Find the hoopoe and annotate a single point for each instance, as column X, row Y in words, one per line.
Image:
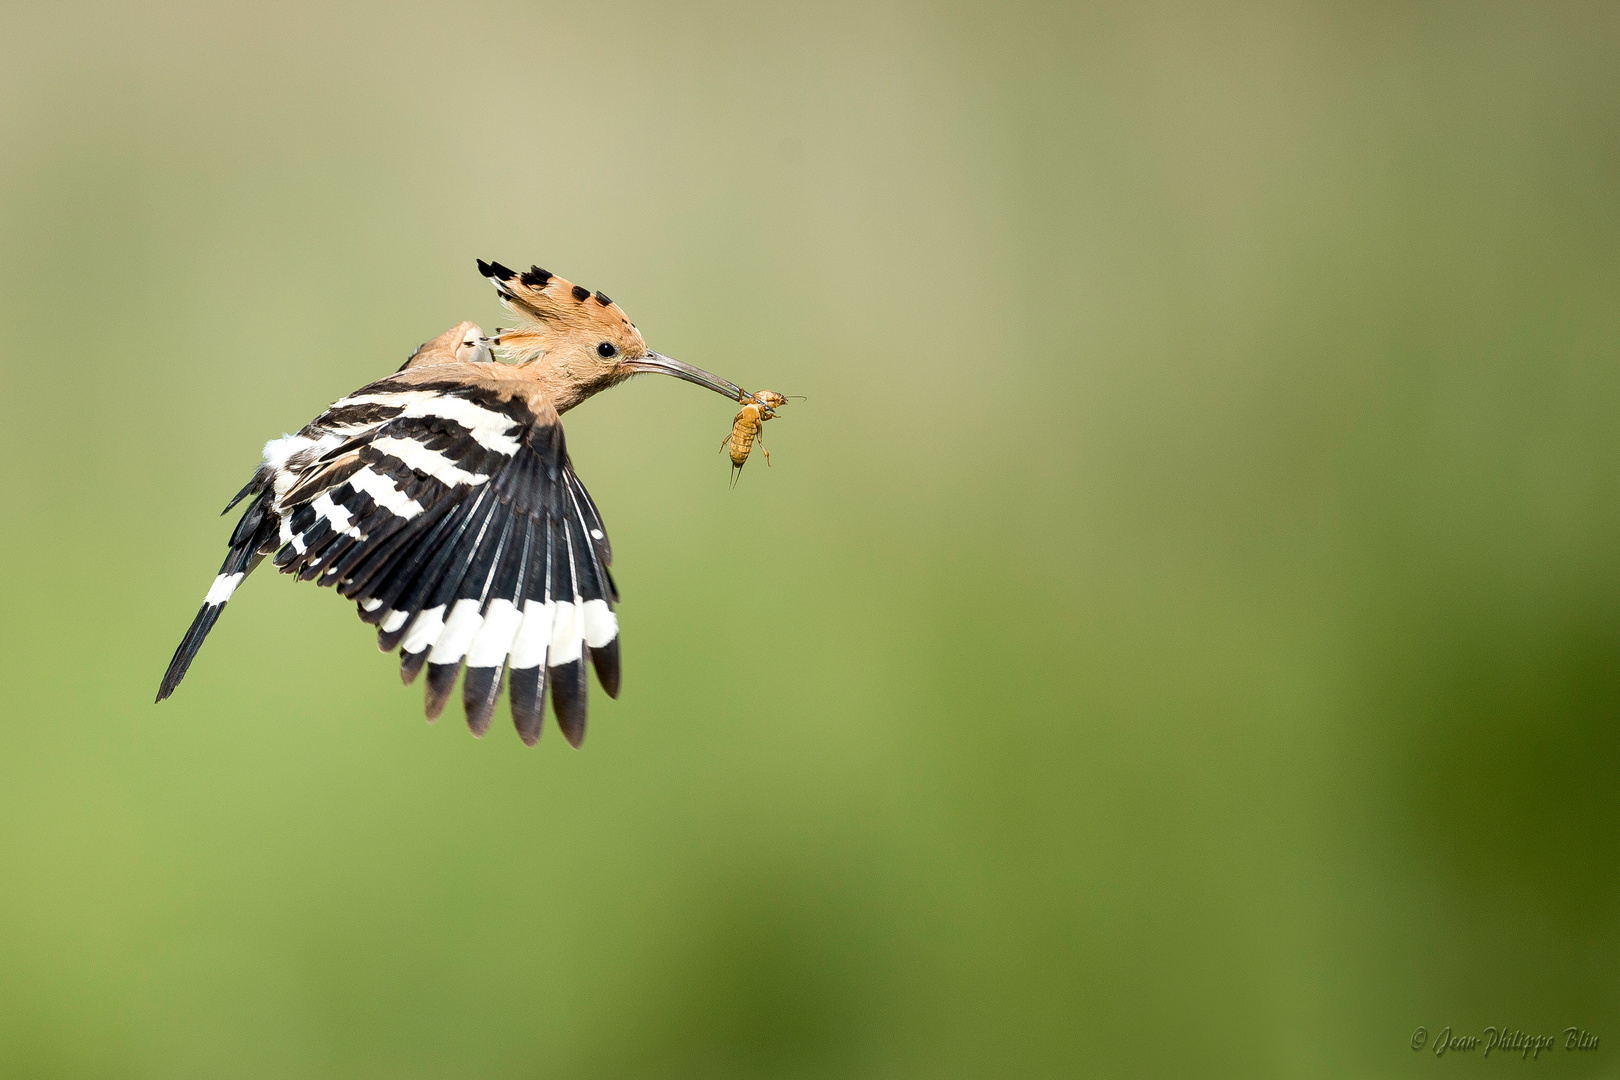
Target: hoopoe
column 442, row 500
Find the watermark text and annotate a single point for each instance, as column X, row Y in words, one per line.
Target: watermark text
column 1502, row 1041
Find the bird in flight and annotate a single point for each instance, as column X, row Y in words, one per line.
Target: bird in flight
column 442, row 501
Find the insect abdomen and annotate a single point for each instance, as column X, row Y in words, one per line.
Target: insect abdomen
column 742, row 444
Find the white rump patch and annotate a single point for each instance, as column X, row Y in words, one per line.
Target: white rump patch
column 601, row 625
column 220, row 591
column 290, row 455
column 567, row 635
column 425, row 630
column 423, row 460
column 385, row 493
column 494, row 639
column 534, row 634
column 459, row 630
column 277, row 451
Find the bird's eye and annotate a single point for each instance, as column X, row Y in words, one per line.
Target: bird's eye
column 606, row 350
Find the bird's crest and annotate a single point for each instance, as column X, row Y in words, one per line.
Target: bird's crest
column 556, row 310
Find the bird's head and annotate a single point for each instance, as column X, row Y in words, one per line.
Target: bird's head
column 582, row 341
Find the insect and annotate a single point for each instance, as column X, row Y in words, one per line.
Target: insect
column 442, row 501
column 747, row 427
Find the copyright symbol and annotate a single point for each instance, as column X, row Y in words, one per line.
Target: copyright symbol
column 1419, row 1037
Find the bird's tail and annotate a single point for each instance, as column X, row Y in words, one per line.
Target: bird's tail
column 254, row 532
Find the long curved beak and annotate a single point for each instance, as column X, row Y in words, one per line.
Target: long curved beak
column 668, row 365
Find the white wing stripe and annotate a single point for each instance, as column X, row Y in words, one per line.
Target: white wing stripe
column 385, row 493
column 459, row 630
column 424, row 631
column 423, row 460
column 403, row 398
column 601, row 625
column 567, row 635
column 338, row 515
column 489, row 429
column 495, row 637
column 529, row 647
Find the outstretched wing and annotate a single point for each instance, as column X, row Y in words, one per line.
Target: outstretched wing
column 448, row 509
column 290, row 460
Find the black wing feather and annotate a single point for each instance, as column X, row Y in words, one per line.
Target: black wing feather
column 454, row 519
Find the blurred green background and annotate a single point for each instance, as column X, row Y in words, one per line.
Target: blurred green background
column 1178, row 636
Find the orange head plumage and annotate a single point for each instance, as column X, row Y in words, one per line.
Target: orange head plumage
column 579, row 342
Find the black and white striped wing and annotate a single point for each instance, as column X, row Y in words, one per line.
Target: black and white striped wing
column 458, row 525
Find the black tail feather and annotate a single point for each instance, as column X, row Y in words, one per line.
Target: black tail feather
column 204, row 622
column 261, row 479
column 253, row 533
